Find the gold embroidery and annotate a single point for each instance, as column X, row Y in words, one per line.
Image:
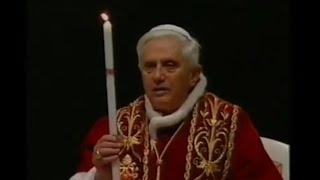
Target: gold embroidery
column 211, row 136
column 130, row 128
column 131, row 125
column 209, row 167
column 128, row 168
column 190, row 144
column 233, row 128
column 146, row 153
column 207, row 139
column 210, row 140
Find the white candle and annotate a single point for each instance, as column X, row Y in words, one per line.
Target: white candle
column 111, row 95
column 107, row 35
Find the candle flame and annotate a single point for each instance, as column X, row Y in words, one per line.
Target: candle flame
column 104, row 16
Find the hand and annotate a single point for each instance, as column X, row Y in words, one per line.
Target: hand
column 105, row 151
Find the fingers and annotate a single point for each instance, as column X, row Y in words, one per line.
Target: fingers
column 110, row 138
column 108, row 141
column 108, row 160
column 104, row 156
column 104, row 162
column 104, row 144
column 106, row 150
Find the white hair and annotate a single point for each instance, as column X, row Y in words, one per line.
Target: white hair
column 190, row 51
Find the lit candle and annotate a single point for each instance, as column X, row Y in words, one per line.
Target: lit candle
column 108, row 50
column 107, row 35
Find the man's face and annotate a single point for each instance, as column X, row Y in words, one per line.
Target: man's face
column 167, row 76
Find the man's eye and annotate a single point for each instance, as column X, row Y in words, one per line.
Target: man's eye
column 170, row 65
column 148, row 67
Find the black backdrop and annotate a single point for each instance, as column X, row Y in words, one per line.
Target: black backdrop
column 245, row 55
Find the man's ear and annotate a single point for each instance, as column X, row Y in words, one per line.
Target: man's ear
column 195, row 75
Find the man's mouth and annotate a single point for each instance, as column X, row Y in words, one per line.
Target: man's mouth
column 160, row 91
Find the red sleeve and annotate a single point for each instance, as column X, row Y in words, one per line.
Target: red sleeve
column 98, row 130
column 250, row 160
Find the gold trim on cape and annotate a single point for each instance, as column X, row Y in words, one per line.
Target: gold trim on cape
column 211, row 139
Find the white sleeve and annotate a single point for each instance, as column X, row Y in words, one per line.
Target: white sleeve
column 84, row 175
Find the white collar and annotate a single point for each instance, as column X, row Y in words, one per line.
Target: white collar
column 158, row 121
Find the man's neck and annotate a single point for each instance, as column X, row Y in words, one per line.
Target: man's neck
column 158, row 121
column 166, row 132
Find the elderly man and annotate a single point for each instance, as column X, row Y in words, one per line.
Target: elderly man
column 176, row 130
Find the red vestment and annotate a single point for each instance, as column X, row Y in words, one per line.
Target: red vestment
column 217, row 141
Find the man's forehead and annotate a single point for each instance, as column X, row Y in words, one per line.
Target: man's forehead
column 161, row 59
column 162, row 49
column 163, row 43
column 162, row 55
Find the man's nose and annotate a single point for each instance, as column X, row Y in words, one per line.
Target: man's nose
column 158, row 74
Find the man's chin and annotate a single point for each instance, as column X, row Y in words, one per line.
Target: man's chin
column 158, row 100
column 163, row 107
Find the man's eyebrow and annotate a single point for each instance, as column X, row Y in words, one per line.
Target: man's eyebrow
column 149, row 62
column 168, row 59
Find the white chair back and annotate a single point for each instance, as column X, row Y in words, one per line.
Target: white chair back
column 279, row 152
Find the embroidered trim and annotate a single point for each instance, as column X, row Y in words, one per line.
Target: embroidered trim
column 130, row 115
column 234, row 120
column 211, row 155
column 128, row 168
column 212, row 140
column 190, row 144
column 207, row 139
column 146, row 153
column 131, row 125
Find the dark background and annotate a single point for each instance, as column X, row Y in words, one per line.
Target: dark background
column 245, row 55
